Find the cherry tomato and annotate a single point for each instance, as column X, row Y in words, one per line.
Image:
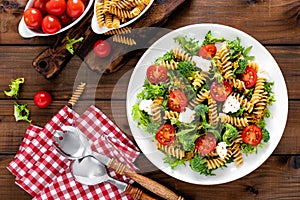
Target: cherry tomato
column 42, row 99
column 40, row 5
column 207, row 51
column 102, row 48
column 56, row 7
column 206, row 143
column 75, row 8
column 165, row 134
column 177, row 101
column 33, row 18
column 252, row 134
column 228, row 88
column 51, row 24
column 249, row 77
column 156, row 74
column 218, row 91
column 65, row 19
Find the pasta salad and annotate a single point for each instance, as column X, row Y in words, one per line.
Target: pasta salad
column 205, row 103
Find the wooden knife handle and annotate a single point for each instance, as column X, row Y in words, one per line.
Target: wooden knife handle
column 137, row 193
column 147, row 183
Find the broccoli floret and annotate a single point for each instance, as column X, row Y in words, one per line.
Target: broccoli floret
column 14, row 88
column 230, row 133
column 201, row 111
column 209, row 39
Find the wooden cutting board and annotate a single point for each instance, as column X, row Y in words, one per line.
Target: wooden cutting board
column 145, row 31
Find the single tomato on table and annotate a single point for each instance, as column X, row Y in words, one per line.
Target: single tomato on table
column 33, row 18
column 156, row 74
column 102, row 48
column 42, row 99
column 252, row 134
column 249, row 77
column 207, row 51
column 165, row 134
column 218, row 91
column 75, row 8
column 206, row 143
column 177, row 101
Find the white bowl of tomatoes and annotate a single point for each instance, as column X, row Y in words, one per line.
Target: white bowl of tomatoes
column 50, row 17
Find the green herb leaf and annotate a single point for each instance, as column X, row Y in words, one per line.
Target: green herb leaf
column 14, row 88
column 69, row 46
column 21, row 112
column 190, row 45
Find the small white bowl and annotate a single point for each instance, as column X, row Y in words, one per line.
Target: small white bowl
column 98, row 30
column 26, row 32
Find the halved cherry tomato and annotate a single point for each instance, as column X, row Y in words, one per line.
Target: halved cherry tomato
column 33, row 18
column 102, row 48
column 156, row 74
column 51, row 24
column 165, row 134
column 228, row 87
column 207, row 51
column 205, row 143
column 177, row 101
column 42, row 99
column 75, row 8
column 249, row 77
column 252, row 134
column 56, row 7
column 218, row 91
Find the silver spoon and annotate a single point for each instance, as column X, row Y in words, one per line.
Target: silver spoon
column 74, row 144
column 90, row 171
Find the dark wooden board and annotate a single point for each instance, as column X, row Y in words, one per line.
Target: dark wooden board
column 53, row 59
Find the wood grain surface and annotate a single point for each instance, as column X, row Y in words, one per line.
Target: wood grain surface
column 274, row 23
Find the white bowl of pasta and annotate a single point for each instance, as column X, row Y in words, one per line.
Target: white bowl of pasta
column 117, row 15
column 187, row 127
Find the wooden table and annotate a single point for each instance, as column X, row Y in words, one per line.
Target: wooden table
column 276, row 24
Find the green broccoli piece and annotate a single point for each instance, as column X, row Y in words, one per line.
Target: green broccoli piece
column 209, row 39
column 14, row 88
column 230, row 133
column 201, row 111
column 21, row 112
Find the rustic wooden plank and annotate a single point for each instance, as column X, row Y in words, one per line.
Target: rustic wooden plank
column 274, row 21
column 275, row 179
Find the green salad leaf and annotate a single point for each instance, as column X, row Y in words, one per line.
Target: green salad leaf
column 21, row 112
column 14, row 88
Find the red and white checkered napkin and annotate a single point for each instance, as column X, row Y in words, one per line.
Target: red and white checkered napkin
column 45, row 174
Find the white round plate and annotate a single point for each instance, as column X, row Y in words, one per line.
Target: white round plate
column 275, row 125
column 98, row 30
column 25, row 32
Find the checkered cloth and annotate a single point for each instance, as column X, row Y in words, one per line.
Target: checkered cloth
column 42, row 172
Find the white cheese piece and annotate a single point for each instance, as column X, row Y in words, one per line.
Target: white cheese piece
column 221, row 149
column 187, row 116
column 145, row 105
column 220, row 44
column 231, row 104
column 263, row 73
column 202, row 63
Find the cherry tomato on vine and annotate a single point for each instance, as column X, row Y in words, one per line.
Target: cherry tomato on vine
column 156, row 74
column 165, row 134
column 177, row 101
column 51, row 24
column 218, row 91
column 56, row 7
column 249, row 77
column 205, row 143
column 252, row 134
column 102, row 48
column 42, row 99
column 33, row 18
column 207, row 51
column 75, row 8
